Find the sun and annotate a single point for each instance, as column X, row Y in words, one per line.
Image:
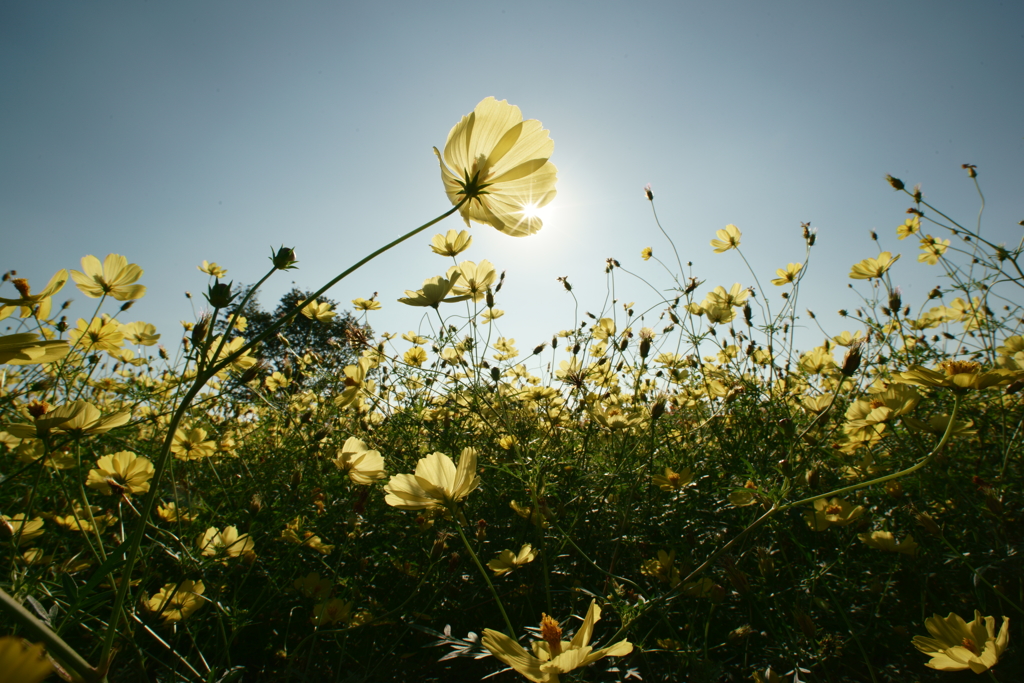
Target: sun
column 530, row 211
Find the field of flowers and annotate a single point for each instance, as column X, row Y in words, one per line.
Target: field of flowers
column 668, row 490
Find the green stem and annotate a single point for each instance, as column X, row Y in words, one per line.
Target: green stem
column 777, row 509
column 54, row 643
column 490, row 586
column 163, row 460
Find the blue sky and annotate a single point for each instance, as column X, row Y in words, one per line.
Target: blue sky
column 177, row 132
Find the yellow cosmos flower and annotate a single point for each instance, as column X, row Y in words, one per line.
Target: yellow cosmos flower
column 27, row 299
column 472, row 280
column 552, row 656
column 788, row 274
column 414, row 338
column 23, row 662
column 172, row 513
column 363, row 465
column 362, row 304
column 113, row 278
column 451, row 244
column 663, row 568
column 140, row 334
column 312, row 586
column 321, row 311
column 911, row 226
column 499, row 164
column 122, row 472
column 873, row 267
column 192, row 444
column 673, row 481
column 957, row 375
column 176, row 601
column 832, row 512
column 729, row 238
column 437, row 483
column 77, row 418
column 435, row 291
column 415, row 356
column 332, row 611
column 212, row 269
column 646, row 253
column 25, row 531
column 932, row 249
column 226, row 544
column 99, row 334
column 25, row 349
column 885, row 540
column 736, row 296
column 507, row 560
column 957, row 645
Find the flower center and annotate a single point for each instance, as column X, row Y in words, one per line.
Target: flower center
column 969, row 644
column 833, row 510
column 21, row 284
column 960, row 367
column 551, row 633
column 673, row 480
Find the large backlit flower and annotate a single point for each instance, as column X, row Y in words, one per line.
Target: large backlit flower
column 25, row 349
column 552, row 656
column 113, row 278
column 958, row 375
column 499, row 164
column 958, row 645
column 437, row 482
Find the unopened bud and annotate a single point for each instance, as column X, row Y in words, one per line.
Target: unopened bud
column 851, row 361
column 284, row 259
column 200, row 330
column 896, row 183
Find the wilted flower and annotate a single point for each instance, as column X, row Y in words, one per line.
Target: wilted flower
column 499, row 164
column 436, row 484
column 552, row 656
column 957, row 645
column 114, row 278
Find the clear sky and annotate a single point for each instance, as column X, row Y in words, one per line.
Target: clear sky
column 173, row 132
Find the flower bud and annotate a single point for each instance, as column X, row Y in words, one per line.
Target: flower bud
column 851, row 361
column 896, row 183
column 219, row 295
column 284, row 259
